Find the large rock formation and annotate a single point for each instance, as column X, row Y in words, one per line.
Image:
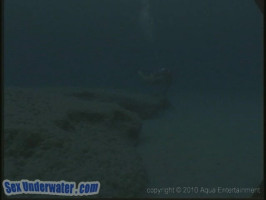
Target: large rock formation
column 76, row 135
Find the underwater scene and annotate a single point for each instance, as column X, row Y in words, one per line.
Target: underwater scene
column 133, row 98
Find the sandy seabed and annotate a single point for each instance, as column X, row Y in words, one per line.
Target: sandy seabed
column 206, row 141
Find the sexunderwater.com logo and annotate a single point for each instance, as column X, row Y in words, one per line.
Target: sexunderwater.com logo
column 60, row 188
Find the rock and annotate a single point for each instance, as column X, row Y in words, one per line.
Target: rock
column 76, row 135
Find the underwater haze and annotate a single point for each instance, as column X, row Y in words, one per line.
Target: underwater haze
column 209, row 45
column 212, row 134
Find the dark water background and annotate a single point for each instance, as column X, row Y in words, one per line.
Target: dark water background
column 209, row 45
column 214, row 48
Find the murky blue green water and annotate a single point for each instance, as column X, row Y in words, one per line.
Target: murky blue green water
column 212, row 135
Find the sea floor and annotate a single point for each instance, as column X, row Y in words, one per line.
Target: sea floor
column 203, row 142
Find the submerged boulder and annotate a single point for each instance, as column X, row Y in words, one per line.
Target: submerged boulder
column 76, row 135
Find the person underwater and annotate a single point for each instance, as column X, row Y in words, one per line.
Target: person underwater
column 162, row 78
